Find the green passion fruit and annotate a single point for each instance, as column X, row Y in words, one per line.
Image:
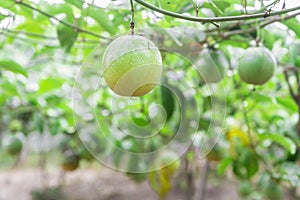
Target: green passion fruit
column 14, row 146
column 211, row 66
column 132, row 65
column 256, row 66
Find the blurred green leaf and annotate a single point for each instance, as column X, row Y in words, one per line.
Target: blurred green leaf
column 67, row 35
column 223, row 165
column 293, row 24
column 76, row 3
column 246, row 164
column 50, row 84
column 101, row 18
column 13, row 67
column 288, row 103
column 167, row 100
column 54, row 9
column 140, row 121
column 286, row 142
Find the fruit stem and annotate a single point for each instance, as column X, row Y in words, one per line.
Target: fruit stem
column 132, row 18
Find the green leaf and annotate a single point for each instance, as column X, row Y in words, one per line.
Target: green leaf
column 246, row 165
column 268, row 39
column 13, row 67
column 30, row 26
column 54, row 9
column 76, row 3
column 140, row 121
column 50, row 84
column 286, row 142
column 101, row 18
column 260, row 97
column 223, row 165
column 288, row 103
column 6, row 3
column 293, row 24
column 66, row 35
column 167, row 101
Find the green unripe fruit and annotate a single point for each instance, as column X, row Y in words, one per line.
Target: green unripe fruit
column 211, row 65
column 245, row 189
column 295, row 53
column 256, row 66
column 15, row 126
column 14, row 146
column 273, row 191
column 132, row 65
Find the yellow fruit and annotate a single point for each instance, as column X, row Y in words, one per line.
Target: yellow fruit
column 132, row 65
column 256, row 66
column 237, row 134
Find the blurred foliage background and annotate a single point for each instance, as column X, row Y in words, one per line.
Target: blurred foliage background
column 248, row 133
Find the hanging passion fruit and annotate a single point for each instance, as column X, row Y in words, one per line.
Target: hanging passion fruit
column 132, row 65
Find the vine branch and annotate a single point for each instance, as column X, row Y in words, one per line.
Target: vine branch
column 132, row 18
column 213, row 19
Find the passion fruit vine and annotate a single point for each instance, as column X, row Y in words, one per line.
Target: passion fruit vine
column 256, row 66
column 132, row 65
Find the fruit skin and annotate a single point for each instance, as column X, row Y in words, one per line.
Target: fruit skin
column 245, row 189
column 211, row 66
column 14, row 146
column 132, row 65
column 15, row 126
column 273, row 191
column 256, row 66
column 71, row 161
column 295, row 53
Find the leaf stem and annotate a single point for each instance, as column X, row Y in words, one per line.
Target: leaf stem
column 132, row 18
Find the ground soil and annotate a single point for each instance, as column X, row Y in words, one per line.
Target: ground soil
column 93, row 184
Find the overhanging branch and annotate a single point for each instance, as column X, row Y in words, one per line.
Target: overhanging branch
column 214, row 19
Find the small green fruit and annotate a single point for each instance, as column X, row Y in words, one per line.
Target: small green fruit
column 211, row 65
column 273, row 191
column 15, row 126
column 14, row 146
column 245, row 189
column 256, row 66
column 132, row 65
